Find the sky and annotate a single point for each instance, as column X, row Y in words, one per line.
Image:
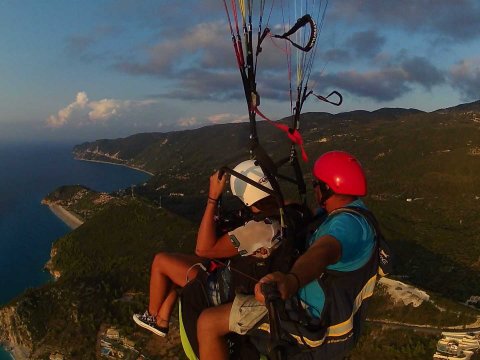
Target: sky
column 83, row 70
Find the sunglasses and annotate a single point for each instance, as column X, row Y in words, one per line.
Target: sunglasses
column 323, row 187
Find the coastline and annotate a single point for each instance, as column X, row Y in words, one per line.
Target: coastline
column 37, row 228
column 119, row 164
column 17, row 352
column 69, row 218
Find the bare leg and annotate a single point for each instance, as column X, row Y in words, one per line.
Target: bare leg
column 212, row 326
column 168, row 271
column 163, row 317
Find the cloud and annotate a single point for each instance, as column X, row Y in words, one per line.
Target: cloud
column 92, row 46
column 200, row 63
column 161, row 15
column 64, row 115
column 222, row 118
column 419, row 70
column 79, row 44
column 366, row 43
column 387, row 83
column 203, row 84
column 465, row 76
column 227, row 118
column 82, row 111
column 187, row 122
column 456, row 21
column 222, row 85
column 379, row 85
column 105, row 109
column 196, row 59
column 336, row 55
column 203, row 45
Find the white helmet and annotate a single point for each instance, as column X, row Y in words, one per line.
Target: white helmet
column 246, row 192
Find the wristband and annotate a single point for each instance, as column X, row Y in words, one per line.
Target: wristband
column 212, row 199
column 296, row 278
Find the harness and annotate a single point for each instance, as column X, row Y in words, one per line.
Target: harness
column 240, row 274
column 346, row 297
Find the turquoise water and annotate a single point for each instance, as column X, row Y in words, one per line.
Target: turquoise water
column 28, row 172
column 4, row 355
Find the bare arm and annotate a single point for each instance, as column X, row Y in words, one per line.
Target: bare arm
column 308, row 267
column 325, row 251
column 207, row 243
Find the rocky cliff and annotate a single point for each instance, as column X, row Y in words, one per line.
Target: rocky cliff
column 49, row 265
column 14, row 334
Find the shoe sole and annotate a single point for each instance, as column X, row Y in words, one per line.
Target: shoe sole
column 148, row 327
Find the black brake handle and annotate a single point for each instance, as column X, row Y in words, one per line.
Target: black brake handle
column 270, row 292
column 274, row 302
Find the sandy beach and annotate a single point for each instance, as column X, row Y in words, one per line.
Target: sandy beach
column 118, row 164
column 66, row 216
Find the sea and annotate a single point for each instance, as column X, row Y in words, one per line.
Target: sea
column 28, row 172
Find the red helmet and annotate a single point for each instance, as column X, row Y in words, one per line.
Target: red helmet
column 341, row 172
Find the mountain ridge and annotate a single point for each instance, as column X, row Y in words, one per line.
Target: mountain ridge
column 411, row 158
column 136, row 145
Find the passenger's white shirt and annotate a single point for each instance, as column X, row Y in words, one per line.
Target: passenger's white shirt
column 257, row 238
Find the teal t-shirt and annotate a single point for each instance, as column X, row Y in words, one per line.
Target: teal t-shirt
column 357, row 240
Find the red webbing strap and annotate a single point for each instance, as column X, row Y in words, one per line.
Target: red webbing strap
column 237, row 45
column 293, row 134
column 239, row 40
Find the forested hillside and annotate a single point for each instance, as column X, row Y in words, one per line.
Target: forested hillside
column 423, row 186
column 422, row 170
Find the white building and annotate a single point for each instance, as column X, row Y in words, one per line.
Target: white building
column 454, row 346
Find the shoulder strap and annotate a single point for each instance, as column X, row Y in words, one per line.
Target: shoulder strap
column 357, row 210
column 386, row 255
